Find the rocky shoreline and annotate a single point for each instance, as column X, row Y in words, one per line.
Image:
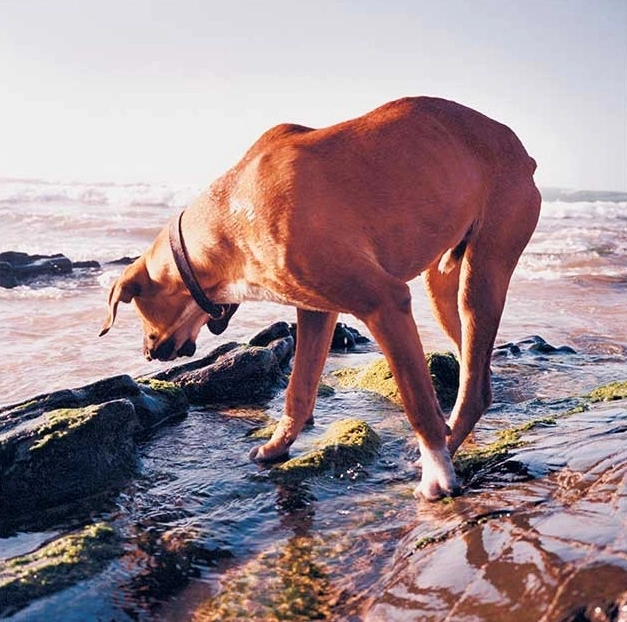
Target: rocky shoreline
column 85, row 551
column 62, row 447
column 62, row 452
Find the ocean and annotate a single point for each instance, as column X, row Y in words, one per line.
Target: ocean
column 570, row 286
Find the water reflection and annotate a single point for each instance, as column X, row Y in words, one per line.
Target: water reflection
column 547, row 549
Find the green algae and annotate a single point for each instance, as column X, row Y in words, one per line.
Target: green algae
column 609, row 392
column 377, row 377
column 57, row 565
column 288, row 582
column 162, row 386
column 58, row 423
column 346, row 443
column 264, row 433
column 471, row 459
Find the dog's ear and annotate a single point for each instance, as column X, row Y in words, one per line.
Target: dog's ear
column 123, row 290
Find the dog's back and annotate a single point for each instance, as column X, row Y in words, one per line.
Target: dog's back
column 405, row 182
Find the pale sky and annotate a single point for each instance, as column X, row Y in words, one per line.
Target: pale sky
column 175, row 91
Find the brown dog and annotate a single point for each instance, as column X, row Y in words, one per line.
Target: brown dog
column 338, row 220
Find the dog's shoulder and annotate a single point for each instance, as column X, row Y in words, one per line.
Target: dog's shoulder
column 281, row 132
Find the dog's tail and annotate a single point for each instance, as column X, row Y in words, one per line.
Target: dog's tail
column 453, row 256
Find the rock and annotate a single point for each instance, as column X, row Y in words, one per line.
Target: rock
column 174, row 373
column 346, row 443
column 165, row 559
column 377, row 377
column 472, row 461
column 59, row 564
column 66, row 455
column 68, row 445
column 16, row 268
column 564, row 522
column 278, row 330
column 444, row 370
column 85, row 265
column 123, row 261
column 235, row 374
column 153, row 402
column 244, row 376
column 345, row 338
column 285, row 582
column 533, row 345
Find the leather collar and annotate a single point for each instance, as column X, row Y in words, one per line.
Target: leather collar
column 187, row 274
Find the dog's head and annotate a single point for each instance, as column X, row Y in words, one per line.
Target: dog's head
column 170, row 317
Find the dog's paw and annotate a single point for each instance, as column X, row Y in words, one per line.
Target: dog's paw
column 263, row 455
column 433, row 491
column 438, row 475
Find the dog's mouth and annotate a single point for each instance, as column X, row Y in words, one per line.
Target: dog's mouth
column 217, row 325
column 166, row 350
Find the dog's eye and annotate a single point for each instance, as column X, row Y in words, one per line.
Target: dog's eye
column 152, row 337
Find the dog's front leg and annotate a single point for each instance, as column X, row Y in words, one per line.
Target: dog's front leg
column 313, row 339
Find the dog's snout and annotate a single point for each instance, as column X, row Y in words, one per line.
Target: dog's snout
column 163, row 352
column 166, row 351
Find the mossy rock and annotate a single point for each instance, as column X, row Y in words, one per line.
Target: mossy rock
column 325, row 390
column 444, row 370
column 57, row 565
column 345, row 444
column 469, row 459
column 609, row 392
column 163, row 386
column 288, row 581
column 377, row 377
column 263, row 433
column 66, row 455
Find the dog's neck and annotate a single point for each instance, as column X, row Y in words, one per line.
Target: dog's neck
column 212, row 231
column 181, row 259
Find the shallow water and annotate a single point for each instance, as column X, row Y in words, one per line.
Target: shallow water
column 354, row 533
column 540, row 534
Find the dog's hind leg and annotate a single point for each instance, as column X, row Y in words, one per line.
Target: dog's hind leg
column 313, row 339
column 483, row 286
column 486, row 270
column 392, row 325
